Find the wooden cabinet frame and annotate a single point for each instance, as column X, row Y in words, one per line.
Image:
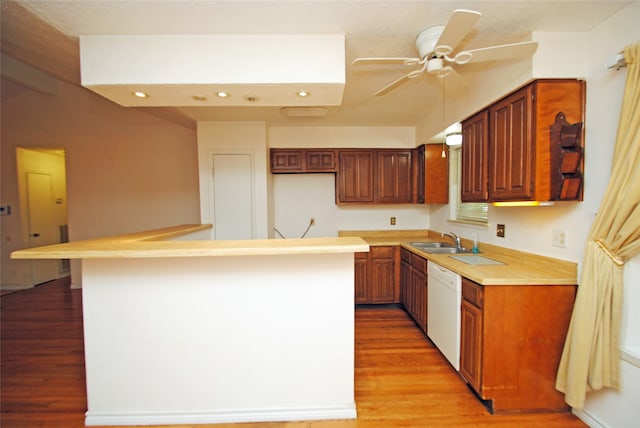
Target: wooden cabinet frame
column 511, row 342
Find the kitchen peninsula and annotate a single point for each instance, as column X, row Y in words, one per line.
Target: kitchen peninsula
column 181, row 329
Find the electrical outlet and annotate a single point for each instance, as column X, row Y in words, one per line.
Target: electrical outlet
column 392, row 221
column 500, row 230
column 560, row 238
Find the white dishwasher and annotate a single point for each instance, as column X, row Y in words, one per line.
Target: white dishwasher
column 444, row 291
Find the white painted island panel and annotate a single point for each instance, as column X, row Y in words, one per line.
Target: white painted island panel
column 219, row 339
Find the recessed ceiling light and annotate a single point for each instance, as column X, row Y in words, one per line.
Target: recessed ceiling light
column 303, row 93
column 251, row 98
column 139, row 94
column 222, row 94
column 199, row 98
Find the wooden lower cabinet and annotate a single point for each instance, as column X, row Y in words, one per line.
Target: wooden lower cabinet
column 413, row 287
column 376, row 275
column 511, row 342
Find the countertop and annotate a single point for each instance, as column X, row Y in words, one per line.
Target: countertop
column 153, row 243
column 520, row 268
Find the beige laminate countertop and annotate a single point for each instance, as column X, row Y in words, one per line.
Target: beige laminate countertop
column 520, row 268
column 153, row 243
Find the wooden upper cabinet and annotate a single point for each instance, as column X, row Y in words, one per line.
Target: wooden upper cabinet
column 320, row 160
column 475, row 158
column 373, row 176
column 286, row 160
column 394, row 176
column 383, row 176
column 355, row 176
column 520, row 155
column 512, row 155
column 302, row 160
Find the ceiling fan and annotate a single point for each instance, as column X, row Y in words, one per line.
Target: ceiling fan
column 436, row 44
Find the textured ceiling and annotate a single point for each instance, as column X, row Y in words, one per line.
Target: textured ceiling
column 372, row 28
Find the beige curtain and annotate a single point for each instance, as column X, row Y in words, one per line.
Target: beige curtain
column 590, row 359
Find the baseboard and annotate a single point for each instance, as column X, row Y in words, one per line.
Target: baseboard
column 175, row 418
column 589, row 419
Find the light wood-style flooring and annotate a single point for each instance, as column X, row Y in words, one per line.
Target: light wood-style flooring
column 401, row 379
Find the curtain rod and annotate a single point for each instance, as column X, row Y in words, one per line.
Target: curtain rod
column 617, row 62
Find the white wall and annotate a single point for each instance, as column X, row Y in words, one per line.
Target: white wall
column 127, row 170
column 299, row 197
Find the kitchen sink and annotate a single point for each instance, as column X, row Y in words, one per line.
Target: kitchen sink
column 438, row 248
column 422, row 245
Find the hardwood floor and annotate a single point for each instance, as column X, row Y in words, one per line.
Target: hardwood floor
column 401, row 379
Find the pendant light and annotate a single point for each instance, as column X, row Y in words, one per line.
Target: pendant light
column 444, row 153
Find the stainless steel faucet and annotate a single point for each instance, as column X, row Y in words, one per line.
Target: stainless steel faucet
column 454, row 237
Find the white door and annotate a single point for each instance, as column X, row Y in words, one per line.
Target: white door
column 42, row 229
column 232, row 196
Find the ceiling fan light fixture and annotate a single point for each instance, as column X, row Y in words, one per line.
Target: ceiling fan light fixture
column 434, row 65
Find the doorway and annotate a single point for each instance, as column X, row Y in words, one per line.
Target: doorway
column 43, row 207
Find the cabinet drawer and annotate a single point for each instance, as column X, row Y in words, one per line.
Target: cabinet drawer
column 472, row 292
column 382, row 252
column 360, row 256
column 419, row 263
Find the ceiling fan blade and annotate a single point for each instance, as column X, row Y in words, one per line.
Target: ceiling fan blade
column 460, row 23
column 384, row 61
column 391, row 86
column 496, row 53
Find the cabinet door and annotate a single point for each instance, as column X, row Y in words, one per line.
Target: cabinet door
column 286, row 160
column 354, row 180
column 471, row 344
column 436, row 175
column 475, row 158
column 419, row 285
column 511, row 148
column 361, row 277
column 320, row 160
column 382, row 280
column 405, row 278
column 394, row 177
column 419, row 291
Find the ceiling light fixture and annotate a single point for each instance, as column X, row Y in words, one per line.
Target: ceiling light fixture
column 453, row 135
column 453, row 138
column 303, row 93
column 140, row 94
column 199, row 98
column 222, row 94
